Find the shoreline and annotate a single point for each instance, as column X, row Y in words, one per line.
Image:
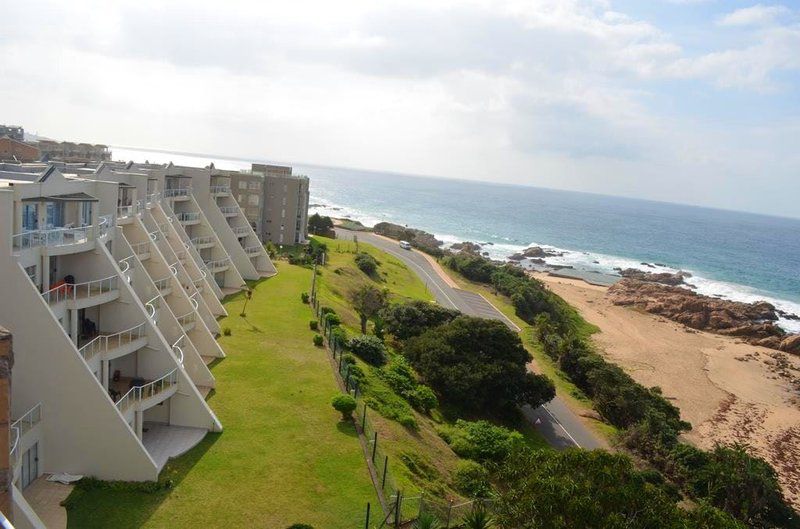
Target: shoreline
column 731, row 391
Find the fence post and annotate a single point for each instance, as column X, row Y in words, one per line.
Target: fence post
column 449, row 512
column 366, row 524
column 397, row 503
column 385, row 467
column 374, row 446
column 364, row 417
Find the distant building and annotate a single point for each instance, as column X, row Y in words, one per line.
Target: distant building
column 66, row 151
column 12, row 150
column 284, row 217
column 13, row 131
column 248, row 190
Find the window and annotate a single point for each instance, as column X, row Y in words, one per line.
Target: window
column 283, row 213
column 31, row 271
column 253, row 200
column 242, row 184
column 30, row 216
column 55, row 214
column 86, row 213
column 255, row 185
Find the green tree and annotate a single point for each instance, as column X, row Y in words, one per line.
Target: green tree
column 318, row 224
column 344, row 404
column 368, row 301
column 369, row 348
column 412, row 318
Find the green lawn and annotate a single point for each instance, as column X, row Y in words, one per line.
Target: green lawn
column 284, row 456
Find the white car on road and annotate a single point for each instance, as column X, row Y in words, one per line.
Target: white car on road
column 405, row 245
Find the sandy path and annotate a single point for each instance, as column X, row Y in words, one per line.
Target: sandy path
column 728, row 390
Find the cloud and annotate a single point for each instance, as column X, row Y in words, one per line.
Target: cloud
column 756, row 15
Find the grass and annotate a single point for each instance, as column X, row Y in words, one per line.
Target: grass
column 571, row 394
column 284, row 456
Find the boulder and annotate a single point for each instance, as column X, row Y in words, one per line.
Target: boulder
column 663, row 277
column 790, row 344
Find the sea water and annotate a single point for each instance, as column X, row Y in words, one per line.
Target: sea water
column 732, row 255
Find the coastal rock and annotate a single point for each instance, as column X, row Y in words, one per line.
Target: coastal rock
column 538, row 251
column 420, row 239
column 791, row 344
column 753, row 322
column 467, row 247
column 665, row 278
column 516, row 257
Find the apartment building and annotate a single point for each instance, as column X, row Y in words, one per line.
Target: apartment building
column 15, row 150
column 67, row 151
column 248, row 189
column 13, row 131
column 116, row 273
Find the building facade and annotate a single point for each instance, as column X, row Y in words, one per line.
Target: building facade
column 13, row 131
column 67, row 151
column 12, row 149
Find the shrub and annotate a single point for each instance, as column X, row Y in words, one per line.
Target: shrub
column 366, row 263
column 427, row 521
column 226, row 331
column 369, row 348
column 339, row 334
column 482, row 441
column 304, row 297
column 344, row 404
column 472, row 478
column 356, row 373
column 423, row 398
column 313, row 325
column 415, row 317
column 326, row 310
column 332, row 319
column 409, row 422
column 318, row 340
column 348, row 359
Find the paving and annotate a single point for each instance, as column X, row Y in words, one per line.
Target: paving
column 163, row 442
column 557, row 423
column 45, row 499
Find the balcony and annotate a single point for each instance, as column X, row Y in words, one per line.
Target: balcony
column 18, row 430
column 163, row 285
column 51, row 238
column 241, row 231
column 149, row 201
column 253, row 251
column 218, row 265
column 229, row 211
column 142, row 250
column 142, row 394
column 188, row 218
column 220, row 191
column 125, row 214
column 198, row 283
column 187, row 321
column 83, row 295
column 178, row 193
column 111, row 346
column 203, row 242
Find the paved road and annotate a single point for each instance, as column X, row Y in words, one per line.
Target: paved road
column 555, row 420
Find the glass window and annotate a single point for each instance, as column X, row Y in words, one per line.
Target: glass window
column 253, row 200
column 55, row 214
column 242, row 184
column 255, row 185
column 30, row 216
column 86, row 213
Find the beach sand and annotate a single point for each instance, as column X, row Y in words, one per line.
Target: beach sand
column 730, row 391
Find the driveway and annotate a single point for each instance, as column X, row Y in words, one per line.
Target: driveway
column 559, row 425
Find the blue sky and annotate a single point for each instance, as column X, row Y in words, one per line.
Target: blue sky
column 692, row 101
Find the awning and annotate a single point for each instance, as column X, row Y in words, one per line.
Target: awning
column 68, row 197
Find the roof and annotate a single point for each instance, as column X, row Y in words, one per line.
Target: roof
column 68, row 197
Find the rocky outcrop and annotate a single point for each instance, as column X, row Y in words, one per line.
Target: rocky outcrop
column 665, row 278
column 467, row 247
column 420, row 239
column 753, row 322
column 538, row 251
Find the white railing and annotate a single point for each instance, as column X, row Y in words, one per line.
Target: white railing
column 151, row 199
column 219, row 263
column 105, row 223
column 177, row 192
column 141, row 248
column 139, row 393
column 14, row 445
column 193, row 299
column 177, row 348
column 203, row 240
column 50, row 237
column 253, row 250
column 188, row 216
column 31, row 418
column 123, row 212
column 163, row 283
column 198, row 283
column 187, row 318
column 154, row 235
column 219, row 190
column 80, row 290
column 152, row 305
column 107, row 342
column 241, row 230
column 229, row 210
column 127, row 263
column 174, row 268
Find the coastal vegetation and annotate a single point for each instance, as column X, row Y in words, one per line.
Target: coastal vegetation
column 320, row 225
column 728, row 478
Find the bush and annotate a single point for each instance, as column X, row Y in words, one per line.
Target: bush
column 344, row 404
column 369, row 348
column 424, row 399
column 339, row 334
column 409, row 422
column 313, row 325
column 482, row 441
column 477, row 365
column 348, row 359
column 332, row 319
column 326, row 310
column 366, row 263
column 318, row 340
column 415, row 317
column 226, row 331
column 304, row 297
column 356, row 373
column 472, row 479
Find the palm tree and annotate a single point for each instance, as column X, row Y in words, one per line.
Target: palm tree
column 478, row 518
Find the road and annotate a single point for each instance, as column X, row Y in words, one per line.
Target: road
column 557, row 423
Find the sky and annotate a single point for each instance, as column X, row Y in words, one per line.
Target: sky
column 691, row 101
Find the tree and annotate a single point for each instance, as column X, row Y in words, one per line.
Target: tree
column 412, row 318
column 344, row 404
column 368, row 301
column 477, row 365
column 319, row 225
column 369, row 348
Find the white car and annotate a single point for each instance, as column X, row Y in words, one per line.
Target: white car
column 405, row 245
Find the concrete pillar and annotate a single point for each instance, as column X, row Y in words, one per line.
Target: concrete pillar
column 104, row 374
column 138, row 421
column 73, row 326
column 6, row 472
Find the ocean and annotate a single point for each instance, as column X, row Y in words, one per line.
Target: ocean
column 732, row 255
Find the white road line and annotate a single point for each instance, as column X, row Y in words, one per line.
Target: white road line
column 561, row 425
column 426, row 275
column 508, row 320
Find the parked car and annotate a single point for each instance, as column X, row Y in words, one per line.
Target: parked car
column 405, row 245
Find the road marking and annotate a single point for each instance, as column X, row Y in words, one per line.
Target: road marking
column 561, row 425
column 426, row 275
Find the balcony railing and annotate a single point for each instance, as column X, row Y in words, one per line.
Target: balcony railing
column 151, row 307
column 220, row 190
column 177, row 192
column 124, row 212
column 187, row 319
column 50, row 237
column 217, row 264
column 188, row 216
column 203, row 240
column 241, row 230
column 155, row 235
column 177, row 348
column 104, row 224
column 141, row 248
column 105, row 343
column 18, row 428
column 253, row 250
column 229, row 211
column 151, row 199
column 163, row 283
column 83, row 290
column 139, row 393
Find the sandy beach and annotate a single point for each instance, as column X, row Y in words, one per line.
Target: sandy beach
column 730, row 391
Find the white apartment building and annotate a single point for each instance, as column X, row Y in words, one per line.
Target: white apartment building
column 112, row 278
